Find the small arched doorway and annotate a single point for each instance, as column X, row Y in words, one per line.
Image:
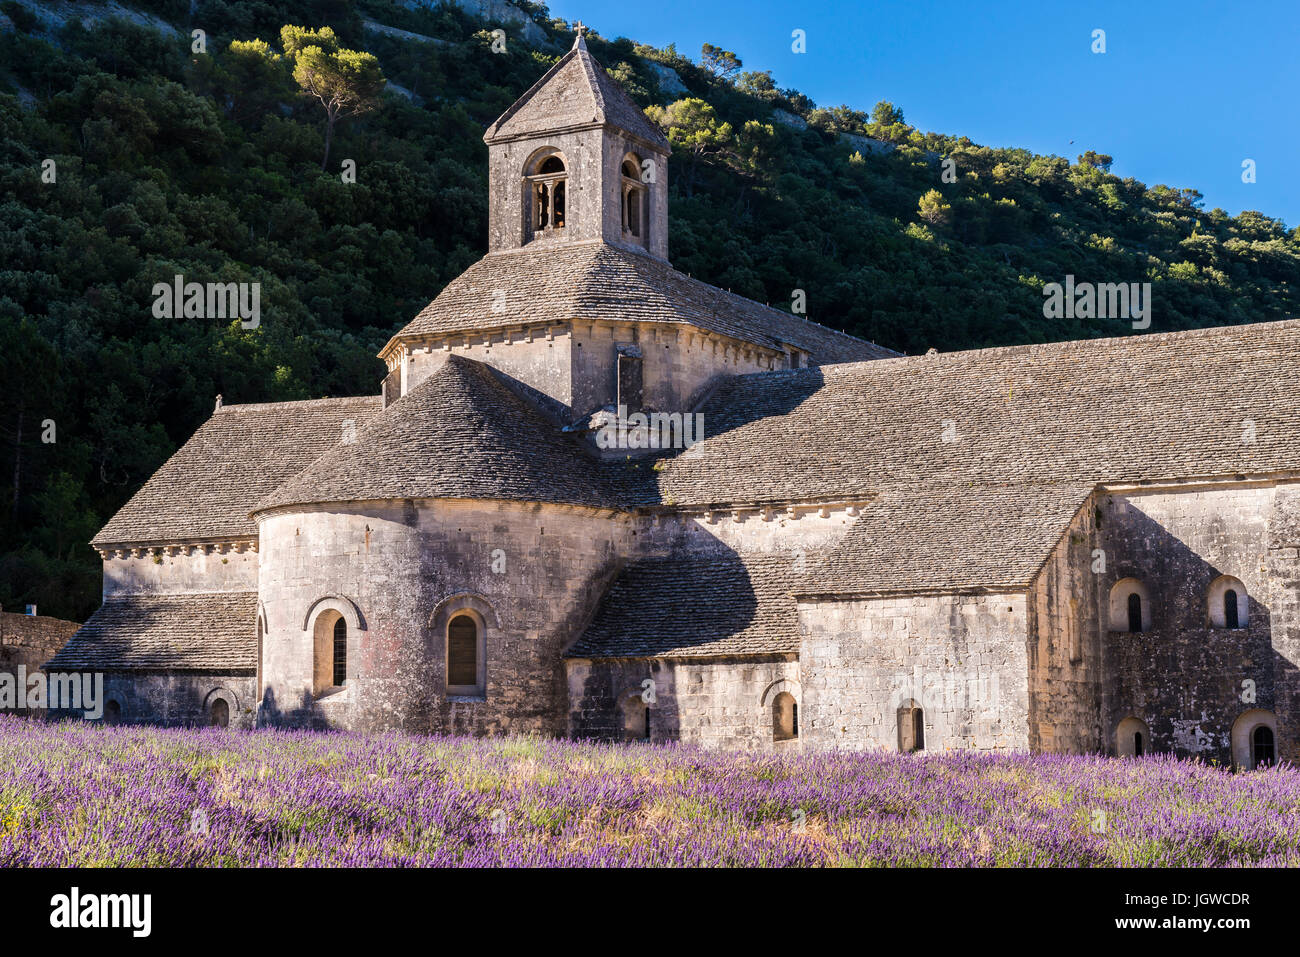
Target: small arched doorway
column 1261, row 747
column 911, row 727
column 1254, row 740
column 1132, row 738
column 219, row 713
column 785, row 717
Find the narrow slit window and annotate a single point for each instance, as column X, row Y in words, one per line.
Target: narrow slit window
column 462, row 653
column 1231, row 617
column 340, row 652
column 1134, row 612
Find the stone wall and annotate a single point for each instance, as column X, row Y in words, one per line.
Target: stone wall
column 1065, row 649
column 714, row 704
column 180, row 570
column 1186, row 678
column 534, row 573
column 961, row 658
column 28, row 641
column 537, row 357
column 574, row 366
column 654, row 239
column 679, row 362
column 507, row 215
column 181, row 697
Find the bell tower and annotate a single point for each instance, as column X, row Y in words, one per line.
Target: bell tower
column 574, row 160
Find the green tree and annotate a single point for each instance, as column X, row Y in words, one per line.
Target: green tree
column 885, row 113
column 1099, row 161
column 719, row 62
column 933, row 209
column 692, row 126
column 346, row 82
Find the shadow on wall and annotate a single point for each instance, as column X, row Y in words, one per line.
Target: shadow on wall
column 675, row 607
column 1175, row 671
column 726, row 408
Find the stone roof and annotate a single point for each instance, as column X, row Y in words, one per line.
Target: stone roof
column 948, row 537
column 696, row 607
column 240, row 454
column 573, row 94
column 595, row 281
column 461, row 433
column 1211, row 402
column 213, row 632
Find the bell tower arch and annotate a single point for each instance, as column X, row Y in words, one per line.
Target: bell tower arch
column 575, row 160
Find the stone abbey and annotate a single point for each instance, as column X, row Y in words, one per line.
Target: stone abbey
column 1074, row 547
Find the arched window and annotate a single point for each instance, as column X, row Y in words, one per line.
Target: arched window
column 1132, row 738
column 635, row 197
column 261, row 631
column 636, row 716
column 547, row 189
column 112, row 712
column 340, row 653
column 1130, row 606
column 1261, row 747
column 785, row 717
column 219, row 713
column 1134, row 612
column 636, row 202
column 464, row 657
column 330, row 652
column 1254, row 739
column 1230, row 616
column 911, row 727
column 1228, row 605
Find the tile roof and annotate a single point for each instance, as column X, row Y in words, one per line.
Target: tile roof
column 696, row 607
column 461, row 433
column 576, row 92
column 212, row 632
column 948, row 537
column 593, row 281
column 1211, row 402
column 243, row 452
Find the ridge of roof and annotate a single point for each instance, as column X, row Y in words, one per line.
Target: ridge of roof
column 239, row 454
column 691, row 606
column 461, row 433
column 207, row 631
column 291, row 404
column 611, row 105
column 1167, row 406
column 597, row 281
column 1252, row 329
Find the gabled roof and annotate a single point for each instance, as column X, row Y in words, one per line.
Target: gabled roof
column 575, row 93
column 696, row 607
column 239, row 455
column 948, row 537
column 594, row 281
column 211, row 632
column 461, row 433
column 1207, row 403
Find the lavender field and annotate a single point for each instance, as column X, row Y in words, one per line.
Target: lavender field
column 84, row 795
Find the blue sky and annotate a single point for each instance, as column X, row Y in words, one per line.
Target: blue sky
column 1183, row 94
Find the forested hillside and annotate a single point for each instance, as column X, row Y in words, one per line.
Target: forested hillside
column 209, row 164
